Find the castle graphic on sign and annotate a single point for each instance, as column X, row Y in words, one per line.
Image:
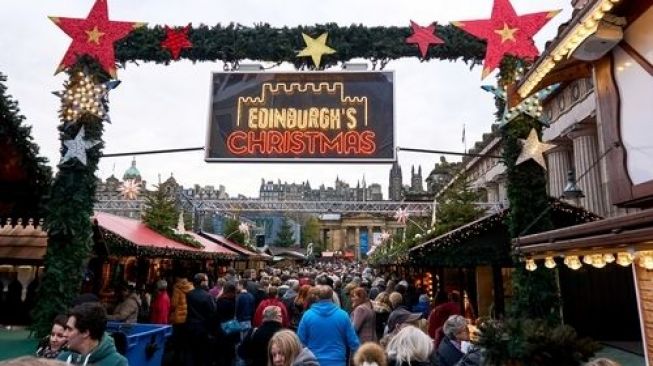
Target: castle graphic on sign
column 335, row 110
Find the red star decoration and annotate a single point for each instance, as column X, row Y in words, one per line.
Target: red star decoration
column 423, row 37
column 176, row 40
column 94, row 36
column 507, row 33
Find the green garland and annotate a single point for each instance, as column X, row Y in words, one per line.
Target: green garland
column 234, row 43
column 535, row 293
column 119, row 246
column 22, row 198
column 68, row 217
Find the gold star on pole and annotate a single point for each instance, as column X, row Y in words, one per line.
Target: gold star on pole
column 532, row 148
column 507, row 33
column 94, row 35
column 316, row 47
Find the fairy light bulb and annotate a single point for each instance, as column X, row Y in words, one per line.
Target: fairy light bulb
column 598, row 261
column 549, row 263
column 573, row 262
column 531, row 265
column 624, row 259
column 608, row 258
column 646, row 259
column 587, row 259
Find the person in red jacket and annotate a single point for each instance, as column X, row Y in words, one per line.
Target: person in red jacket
column 160, row 308
column 441, row 313
column 272, row 300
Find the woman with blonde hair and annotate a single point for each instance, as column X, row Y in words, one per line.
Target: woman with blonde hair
column 285, row 349
column 382, row 309
column 410, row 347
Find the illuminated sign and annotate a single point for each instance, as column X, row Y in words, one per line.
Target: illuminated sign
column 302, row 116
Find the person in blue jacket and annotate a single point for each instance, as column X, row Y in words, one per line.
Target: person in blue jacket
column 327, row 331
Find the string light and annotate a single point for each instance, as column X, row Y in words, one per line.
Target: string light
column 584, row 29
column 573, row 262
column 531, row 265
column 597, row 261
column 608, row 258
column 645, row 259
column 624, row 259
column 549, row 263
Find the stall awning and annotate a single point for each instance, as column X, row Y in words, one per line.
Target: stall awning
column 613, row 234
column 125, row 236
column 486, row 240
column 22, row 244
column 219, row 239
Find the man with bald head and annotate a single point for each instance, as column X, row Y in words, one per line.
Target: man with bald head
column 327, row 331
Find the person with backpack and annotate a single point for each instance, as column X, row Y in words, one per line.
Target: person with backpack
column 253, row 348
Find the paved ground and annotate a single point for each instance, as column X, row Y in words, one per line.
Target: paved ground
column 624, row 358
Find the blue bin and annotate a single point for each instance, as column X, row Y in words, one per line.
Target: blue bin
column 144, row 343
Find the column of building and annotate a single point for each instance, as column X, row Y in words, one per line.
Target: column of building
column 585, row 143
column 559, row 164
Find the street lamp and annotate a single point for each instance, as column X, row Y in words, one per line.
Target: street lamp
column 572, row 191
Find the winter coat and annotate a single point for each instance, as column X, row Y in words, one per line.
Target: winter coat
column 178, row 305
column 105, row 354
column 258, row 315
column 160, row 308
column 245, row 303
column 201, row 316
column 363, row 318
column 254, row 348
column 326, row 330
column 448, row 353
column 305, row 358
column 440, row 314
column 127, row 311
column 382, row 312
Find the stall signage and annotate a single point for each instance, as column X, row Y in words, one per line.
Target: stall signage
column 302, row 116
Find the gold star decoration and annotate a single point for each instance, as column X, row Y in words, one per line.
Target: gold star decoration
column 532, row 148
column 315, row 47
column 507, row 33
column 94, row 35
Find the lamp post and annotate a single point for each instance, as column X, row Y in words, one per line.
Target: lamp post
column 572, row 191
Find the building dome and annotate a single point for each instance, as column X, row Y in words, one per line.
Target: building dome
column 132, row 172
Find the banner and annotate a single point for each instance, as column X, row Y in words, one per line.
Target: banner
column 302, row 117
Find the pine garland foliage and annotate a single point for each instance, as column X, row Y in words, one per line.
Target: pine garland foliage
column 68, row 222
column 20, row 197
column 535, row 293
column 533, row 342
column 234, row 42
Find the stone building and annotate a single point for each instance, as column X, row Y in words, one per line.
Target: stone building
column 270, row 191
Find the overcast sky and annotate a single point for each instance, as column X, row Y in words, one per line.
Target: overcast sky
column 163, row 107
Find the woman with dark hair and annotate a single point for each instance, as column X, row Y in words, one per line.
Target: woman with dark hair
column 226, row 311
column 363, row 317
column 51, row 345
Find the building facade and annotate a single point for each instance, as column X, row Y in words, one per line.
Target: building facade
column 341, row 191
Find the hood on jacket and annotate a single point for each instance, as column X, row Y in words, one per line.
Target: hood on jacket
column 306, row 358
column 104, row 354
column 324, row 308
column 184, row 285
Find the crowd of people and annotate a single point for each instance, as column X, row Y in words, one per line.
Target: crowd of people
column 329, row 315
